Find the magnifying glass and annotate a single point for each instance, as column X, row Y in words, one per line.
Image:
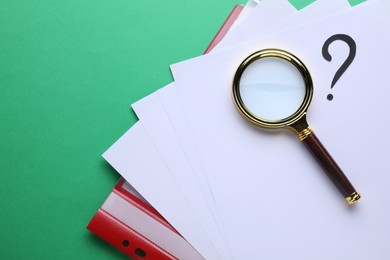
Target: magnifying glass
column 273, row 89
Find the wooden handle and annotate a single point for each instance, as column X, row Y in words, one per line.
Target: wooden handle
column 331, row 168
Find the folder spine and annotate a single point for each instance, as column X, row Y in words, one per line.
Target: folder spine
column 125, row 238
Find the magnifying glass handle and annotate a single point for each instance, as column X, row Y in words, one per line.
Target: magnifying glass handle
column 331, row 168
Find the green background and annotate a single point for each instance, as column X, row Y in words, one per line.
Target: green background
column 69, row 71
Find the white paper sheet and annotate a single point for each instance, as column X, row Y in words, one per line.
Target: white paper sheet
column 141, row 108
column 183, row 176
column 163, row 173
column 185, row 144
column 208, row 239
column 164, row 139
column 136, row 159
column 180, row 171
column 296, row 203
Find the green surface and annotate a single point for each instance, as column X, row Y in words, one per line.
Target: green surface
column 69, row 71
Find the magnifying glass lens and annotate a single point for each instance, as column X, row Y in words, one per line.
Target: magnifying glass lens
column 272, row 88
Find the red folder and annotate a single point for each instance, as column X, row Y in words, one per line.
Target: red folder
column 131, row 224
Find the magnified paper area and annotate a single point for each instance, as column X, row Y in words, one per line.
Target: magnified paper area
column 272, row 88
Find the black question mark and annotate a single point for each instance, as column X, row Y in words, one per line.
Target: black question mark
column 352, row 53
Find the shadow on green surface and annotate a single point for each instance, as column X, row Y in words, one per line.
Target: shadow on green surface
column 109, row 170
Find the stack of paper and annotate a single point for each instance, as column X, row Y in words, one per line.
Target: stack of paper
column 234, row 191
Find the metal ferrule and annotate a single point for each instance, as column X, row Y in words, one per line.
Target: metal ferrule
column 304, row 133
column 353, row 198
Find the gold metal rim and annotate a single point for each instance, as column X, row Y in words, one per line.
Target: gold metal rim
column 256, row 120
column 353, row 198
column 304, row 133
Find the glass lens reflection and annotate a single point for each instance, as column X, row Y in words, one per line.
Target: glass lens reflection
column 272, row 88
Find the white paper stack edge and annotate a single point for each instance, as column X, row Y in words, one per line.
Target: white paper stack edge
column 128, row 222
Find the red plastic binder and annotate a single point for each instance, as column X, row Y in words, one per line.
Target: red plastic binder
column 131, row 224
